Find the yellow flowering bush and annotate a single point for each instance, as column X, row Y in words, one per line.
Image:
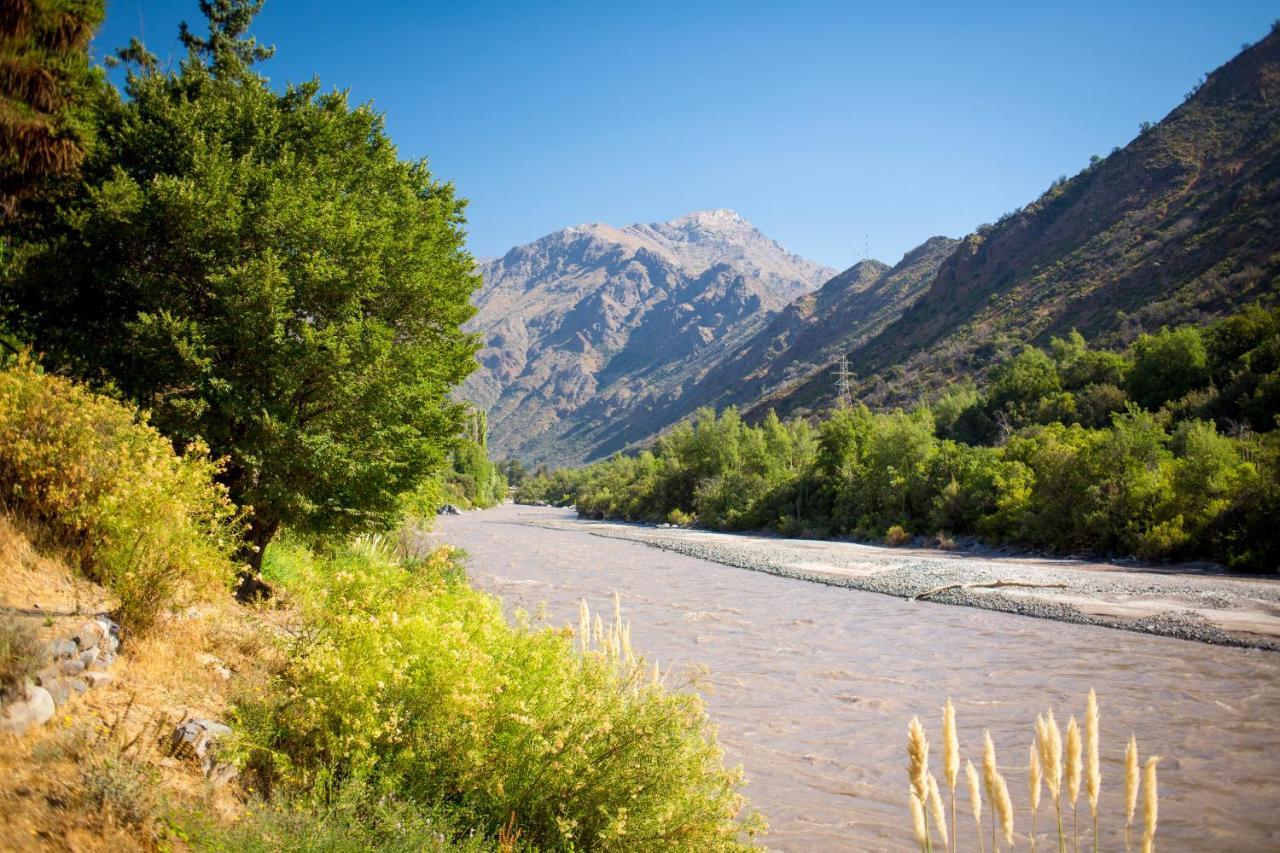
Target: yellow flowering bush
column 148, row 524
column 405, row 678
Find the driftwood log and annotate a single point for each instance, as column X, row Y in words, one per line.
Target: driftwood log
column 985, row 585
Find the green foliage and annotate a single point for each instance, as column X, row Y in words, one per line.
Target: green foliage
column 352, row 821
column 148, row 524
column 1055, row 454
column 406, row 681
column 1167, row 365
column 46, row 90
column 260, row 270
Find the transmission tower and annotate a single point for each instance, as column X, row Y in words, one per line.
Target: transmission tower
column 844, row 386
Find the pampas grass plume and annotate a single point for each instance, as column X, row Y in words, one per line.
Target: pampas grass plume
column 935, row 809
column 1093, row 771
column 918, row 758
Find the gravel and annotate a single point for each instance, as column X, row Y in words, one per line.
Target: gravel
column 1166, row 602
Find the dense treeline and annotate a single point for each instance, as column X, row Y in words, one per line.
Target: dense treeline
column 1167, row 450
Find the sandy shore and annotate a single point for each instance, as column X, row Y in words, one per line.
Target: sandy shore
column 1188, row 602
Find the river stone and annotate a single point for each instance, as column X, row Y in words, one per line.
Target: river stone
column 59, row 690
column 98, row 679
column 36, row 709
column 88, row 656
column 89, row 634
column 72, row 666
column 77, row 684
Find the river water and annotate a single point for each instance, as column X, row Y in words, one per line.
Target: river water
column 812, row 687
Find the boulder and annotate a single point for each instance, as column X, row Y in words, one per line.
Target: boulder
column 35, row 710
column 89, row 635
column 71, row 666
column 196, row 738
column 97, row 679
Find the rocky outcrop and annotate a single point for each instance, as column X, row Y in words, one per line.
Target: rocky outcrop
column 588, row 324
column 74, row 665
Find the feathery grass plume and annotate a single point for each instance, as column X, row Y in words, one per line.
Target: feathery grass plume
column 1130, row 787
column 1049, row 739
column 950, row 757
column 1073, row 775
column 997, row 793
column 597, row 631
column 1150, row 805
column 918, row 758
column 617, row 608
column 917, row 821
column 935, row 810
column 975, row 799
column 584, row 626
column 1093, row 771
column 1034, row 779
column 1004, row 807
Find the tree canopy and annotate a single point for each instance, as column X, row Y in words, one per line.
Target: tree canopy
column 45, row 77
column 262, row 271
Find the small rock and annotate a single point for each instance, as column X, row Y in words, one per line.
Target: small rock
column 88, row 656
column 102, row 662
column 195, row 738
column 48, row 675
column 65, row 648
column 89, row 635
column 112, row 643
column 71, row 666
column 78, row 684
column 98, row 679
column 59, row 690
column 35, row 710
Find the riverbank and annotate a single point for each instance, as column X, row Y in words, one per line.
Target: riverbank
column 1189, row 602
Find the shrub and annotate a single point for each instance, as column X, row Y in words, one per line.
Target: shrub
column 680, row 518
column 896, row 535
column 147, row 523
column 354, row 821
column 21, row 656
column 405, row 679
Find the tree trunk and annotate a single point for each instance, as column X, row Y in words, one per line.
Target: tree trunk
column 251, row 585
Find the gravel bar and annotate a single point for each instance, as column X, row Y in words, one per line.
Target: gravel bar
column 1187, row 602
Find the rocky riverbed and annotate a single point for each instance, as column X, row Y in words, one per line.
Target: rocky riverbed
column 1191, row 602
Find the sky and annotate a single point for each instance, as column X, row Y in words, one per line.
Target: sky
column 842, row 130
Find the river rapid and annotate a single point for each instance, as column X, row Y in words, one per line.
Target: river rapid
column 812, row 687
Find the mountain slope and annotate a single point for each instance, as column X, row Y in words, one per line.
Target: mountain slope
column 584, row 321
column 1179, row 225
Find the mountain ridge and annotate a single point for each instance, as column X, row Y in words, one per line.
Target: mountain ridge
column 600, row 311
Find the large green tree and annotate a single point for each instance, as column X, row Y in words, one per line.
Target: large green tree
column 45, row 86
column 262, row 270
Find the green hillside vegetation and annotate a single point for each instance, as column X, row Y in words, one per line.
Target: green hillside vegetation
column 1169, row 450
column 1175, row 227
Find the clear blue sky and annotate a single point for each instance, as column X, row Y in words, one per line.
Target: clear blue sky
column 829, row 125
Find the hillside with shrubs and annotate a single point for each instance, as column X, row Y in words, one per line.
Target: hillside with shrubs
column 1168, row 449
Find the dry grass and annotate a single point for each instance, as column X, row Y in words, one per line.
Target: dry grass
column 1050, row 763
column 99, row 776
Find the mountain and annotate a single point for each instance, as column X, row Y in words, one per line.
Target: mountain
column 1178, row 226
column 797, row 342
column 589, row 324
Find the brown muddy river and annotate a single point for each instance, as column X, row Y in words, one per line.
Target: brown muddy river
column 813, row 686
